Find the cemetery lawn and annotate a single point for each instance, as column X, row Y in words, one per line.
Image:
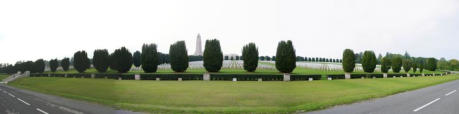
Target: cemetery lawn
column 3, row 76
column 224, row 96
column 298, row 70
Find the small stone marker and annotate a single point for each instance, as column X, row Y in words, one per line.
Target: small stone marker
column 329, row 78
column 157, row 79
column 119, row 78
column 393, row 76
column 65, row 75
column 179, row 79
column 93, row 75
column 260, row 80
column 206, row 77
column 362, row 77
column 286, row 77
column 234, row 79
column 347, row 75
column 310, row 79
column 374, row 77
column 137, row 76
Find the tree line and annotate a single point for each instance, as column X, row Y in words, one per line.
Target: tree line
column 285, row 59
column 394, row 62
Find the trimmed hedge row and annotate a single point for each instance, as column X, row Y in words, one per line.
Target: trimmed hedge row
column 246, row 77
column 171, row 76
column 227, row 77
column 305, row 77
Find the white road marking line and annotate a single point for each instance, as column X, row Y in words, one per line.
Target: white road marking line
column 417, row 109
column 23, row 101
column 69, row 110
column 450, row 93
column 42, row 111
column 11, row 95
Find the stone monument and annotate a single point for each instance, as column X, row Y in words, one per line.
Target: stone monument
column 198, row 51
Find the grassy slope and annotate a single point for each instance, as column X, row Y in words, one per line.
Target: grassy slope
column 224, row 96
column 3, row 76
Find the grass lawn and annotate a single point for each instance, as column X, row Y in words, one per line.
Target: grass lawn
column 224, row 96
column 3, row 76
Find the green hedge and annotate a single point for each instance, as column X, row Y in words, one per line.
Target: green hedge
column 171, row 76
column 246, row 77
column 367, row 76
column 336, row 76
column 305, row 77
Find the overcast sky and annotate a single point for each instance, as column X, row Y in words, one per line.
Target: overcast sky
column 33, row 29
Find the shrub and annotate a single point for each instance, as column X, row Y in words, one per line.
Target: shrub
column 250, row 55
column 385, row 64
column 81, row 61
column 348, row 61
column 369, row 61
column 407, row 65
column 53, row 64
column 213, row 56
column 39, row 66
column 421, row 64
column 396, row 64
column 285, row 57
column 137, row 59
column 65, row 63
column 150, row 58
column 178, row 56
column 262, row 58
column 122, row 59
column 431, row 64
column 414, row 65
column 101, row 60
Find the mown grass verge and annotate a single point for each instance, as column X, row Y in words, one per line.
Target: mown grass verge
column 224, row 96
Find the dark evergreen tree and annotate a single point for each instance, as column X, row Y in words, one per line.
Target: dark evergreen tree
column 407, row 64
column 285, row 57
column 369, row 61
column 250, row 55
column 65, row 63
column 431, row 64
column 137, row 58
column 396, row 64
column 348, row 61
column 178, row 56
column 213, row 56
column 81, row 61
column 414, row 65
column 122, row 59
column 39, row 66
column 385, row 64
column 53, row 64
column 421, row 64
column 101, row 60
column 150, row 58
column 262, row 58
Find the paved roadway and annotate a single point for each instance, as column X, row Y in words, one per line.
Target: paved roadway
column 18, row 101
column 439, row 99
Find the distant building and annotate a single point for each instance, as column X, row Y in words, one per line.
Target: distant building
column 198, row 46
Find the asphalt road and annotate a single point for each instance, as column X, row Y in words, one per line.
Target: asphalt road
column 18, row 101
column 438, row 99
